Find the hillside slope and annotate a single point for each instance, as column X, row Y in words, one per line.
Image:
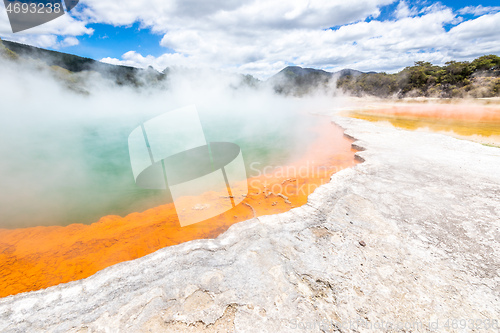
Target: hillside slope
column 298, row 81
column 121, row 75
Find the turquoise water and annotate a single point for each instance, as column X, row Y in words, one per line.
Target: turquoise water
column 78, row 171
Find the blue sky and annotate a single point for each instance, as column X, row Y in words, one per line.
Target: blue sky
column 260, row 37
column 110, row 41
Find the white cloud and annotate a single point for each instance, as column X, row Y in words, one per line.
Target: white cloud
column 478, row 10
column 403, row 10
column 44, row 41
column 476, row 37
column 69, row 41
column 163, row 15
column 135, row 59
column 260, row 37
column 57, row 33
column 375, row 45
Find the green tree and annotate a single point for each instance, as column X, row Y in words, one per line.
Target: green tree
column 486, row 63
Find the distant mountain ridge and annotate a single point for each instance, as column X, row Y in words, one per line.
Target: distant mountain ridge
column 478, row 78
column 301, row 72
column 290, row 80
column 295, row 80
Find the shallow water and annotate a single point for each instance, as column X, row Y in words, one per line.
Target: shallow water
column 476, row 123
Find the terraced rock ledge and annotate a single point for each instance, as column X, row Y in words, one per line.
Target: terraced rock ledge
column 407, row 240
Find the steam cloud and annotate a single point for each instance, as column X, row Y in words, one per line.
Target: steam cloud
column 64, row 153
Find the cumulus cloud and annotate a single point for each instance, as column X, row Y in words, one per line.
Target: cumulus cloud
column 44, row 41
column 260, row 37
column 262, row 49
column 69, row 41
column 261, row 14
column 135, row 59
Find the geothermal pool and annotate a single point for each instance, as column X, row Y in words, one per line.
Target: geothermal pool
column 480, row 123
column 100, row 218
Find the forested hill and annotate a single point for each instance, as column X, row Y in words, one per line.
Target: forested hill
column 479, row 78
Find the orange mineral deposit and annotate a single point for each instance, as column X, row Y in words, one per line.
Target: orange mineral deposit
column 469, row 121
column 40, row 257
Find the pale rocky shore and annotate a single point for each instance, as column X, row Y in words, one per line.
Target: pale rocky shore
column 407, row 241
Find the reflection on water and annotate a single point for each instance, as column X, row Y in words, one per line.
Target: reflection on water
column 476, row 123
